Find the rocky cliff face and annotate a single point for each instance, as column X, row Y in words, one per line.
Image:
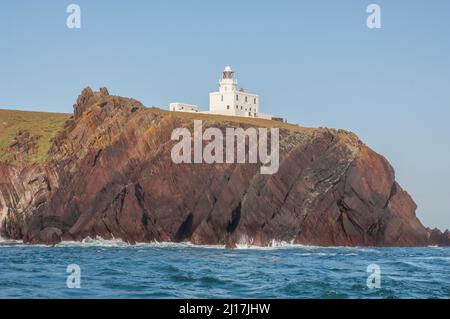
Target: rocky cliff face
column 111, row 175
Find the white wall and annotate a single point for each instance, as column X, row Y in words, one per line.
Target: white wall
column 183, row 107
column 226, row 103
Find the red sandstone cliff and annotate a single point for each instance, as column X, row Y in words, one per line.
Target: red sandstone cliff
column 110, row 174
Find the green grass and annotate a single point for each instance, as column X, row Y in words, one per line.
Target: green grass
column 256, row 122
column 41, row 124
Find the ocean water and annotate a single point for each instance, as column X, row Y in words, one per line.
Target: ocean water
column 112, row 269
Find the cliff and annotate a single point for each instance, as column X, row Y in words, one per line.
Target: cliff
column 108, row 172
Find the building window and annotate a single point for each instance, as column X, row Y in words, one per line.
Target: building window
column 241, row 107
column 237, row 107
column 245, row 99
column 237, row 97
column 222, row 98
column 228, row 107
column 254, row 100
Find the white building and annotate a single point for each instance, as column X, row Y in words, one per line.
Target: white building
column 228, row 100
column 183, row 107
column 231, row 101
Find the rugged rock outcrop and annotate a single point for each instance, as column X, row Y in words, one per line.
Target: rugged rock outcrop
column 110, row 174
column 23, row 146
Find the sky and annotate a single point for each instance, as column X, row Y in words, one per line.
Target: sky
column 315, row 63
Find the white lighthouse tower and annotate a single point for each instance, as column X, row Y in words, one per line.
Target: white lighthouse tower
column 227, row 83
column 231, row 101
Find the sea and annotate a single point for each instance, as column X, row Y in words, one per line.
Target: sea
column 97, row 268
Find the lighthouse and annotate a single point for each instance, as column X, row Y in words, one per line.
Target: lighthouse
column 227, row 83
column 231, row 101
column 228, row 100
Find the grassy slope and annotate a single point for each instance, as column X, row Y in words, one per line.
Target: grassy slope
column 37, row 123
column 48, row 124
column 234, row 119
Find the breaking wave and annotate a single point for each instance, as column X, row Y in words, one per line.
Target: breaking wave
column 117, row 242
column 100, row 242
column 243, row 245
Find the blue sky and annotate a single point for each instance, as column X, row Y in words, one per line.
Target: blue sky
column 313, row 62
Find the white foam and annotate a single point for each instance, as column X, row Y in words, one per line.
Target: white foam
column 100, row 242
column 10, row 242
column 117, row 242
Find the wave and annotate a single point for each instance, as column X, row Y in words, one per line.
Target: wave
column 117, row 242
column 10, row 242
column 243, row 245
